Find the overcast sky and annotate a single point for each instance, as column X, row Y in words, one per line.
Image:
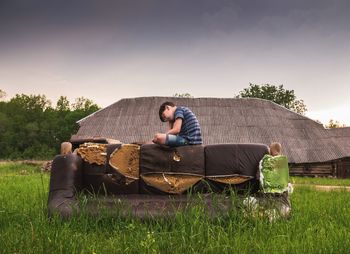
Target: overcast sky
column 108, row 50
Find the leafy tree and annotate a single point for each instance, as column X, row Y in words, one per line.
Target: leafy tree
column 2, row 94
column 277, row 94
column 63, row 104
column 31, row 102
column 31, row 128
column 183, row 95
column 25, row 127
column 84, row 104
column 334, row 124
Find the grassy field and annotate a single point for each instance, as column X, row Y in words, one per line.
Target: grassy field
column 320, row 181
column 320, row 223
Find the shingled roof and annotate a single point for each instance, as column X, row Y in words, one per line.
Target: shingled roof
column 222, row 120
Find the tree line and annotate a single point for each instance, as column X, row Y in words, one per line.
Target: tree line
column 31, row 127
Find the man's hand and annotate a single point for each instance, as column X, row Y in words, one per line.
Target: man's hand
column 159, row 138
column 154, row 140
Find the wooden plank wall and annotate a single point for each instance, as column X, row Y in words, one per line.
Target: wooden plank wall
column 338, row 168
column 313, row 169
column 343, row 170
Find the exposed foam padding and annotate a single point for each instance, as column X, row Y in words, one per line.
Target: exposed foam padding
column 93, row 153
column 105, row 180
column 170, row 182
column 116, row 177
column 65, row 181
column 126, row 160
column 230, row 179
column 109, row 150
column 165, row 170
column 233, row 166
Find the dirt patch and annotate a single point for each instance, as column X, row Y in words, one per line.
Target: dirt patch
column 324, row 187
column 28, row 162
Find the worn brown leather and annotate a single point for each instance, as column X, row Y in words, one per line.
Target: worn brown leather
column 162, row 159
column 234, row 159
column 65, row 182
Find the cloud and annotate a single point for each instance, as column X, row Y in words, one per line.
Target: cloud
column 339, row 113
column 207, row 47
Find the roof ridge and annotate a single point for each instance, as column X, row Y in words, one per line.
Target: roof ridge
column 198, row 98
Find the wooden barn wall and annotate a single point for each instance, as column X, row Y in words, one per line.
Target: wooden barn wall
column 338, row 168
column 312, row 169
column 343, row 170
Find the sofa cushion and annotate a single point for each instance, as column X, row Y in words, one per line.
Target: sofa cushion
column 165, row 170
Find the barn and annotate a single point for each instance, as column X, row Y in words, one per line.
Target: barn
column 312, row 150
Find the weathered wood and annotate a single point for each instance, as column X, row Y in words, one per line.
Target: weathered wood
column 312, row 169
column 343, row 168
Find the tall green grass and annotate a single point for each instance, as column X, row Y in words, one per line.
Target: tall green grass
column 320, row 181
column 320, row 223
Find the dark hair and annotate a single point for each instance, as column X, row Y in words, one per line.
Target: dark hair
column 162, row 108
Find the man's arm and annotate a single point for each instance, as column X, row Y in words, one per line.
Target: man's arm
column 176, row 127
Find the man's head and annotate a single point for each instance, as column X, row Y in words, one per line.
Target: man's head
column 275, row 149
column 166, row 111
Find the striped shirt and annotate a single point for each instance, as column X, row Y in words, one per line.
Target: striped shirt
column 190, row 128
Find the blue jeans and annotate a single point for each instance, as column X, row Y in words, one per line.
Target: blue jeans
column 175, row 140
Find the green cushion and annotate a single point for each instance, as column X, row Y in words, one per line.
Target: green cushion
column 274, row 173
